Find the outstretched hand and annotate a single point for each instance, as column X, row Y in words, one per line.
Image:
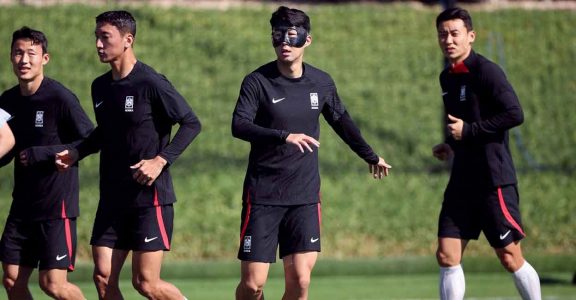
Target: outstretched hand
column 381, row 169
column 302, row 141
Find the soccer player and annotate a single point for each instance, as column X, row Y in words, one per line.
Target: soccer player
column 40, row 230
column 277, row 112
column 135, row 110
column 482, row 194
column 6, row 136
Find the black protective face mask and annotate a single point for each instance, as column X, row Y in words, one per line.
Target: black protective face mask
column 280, row 35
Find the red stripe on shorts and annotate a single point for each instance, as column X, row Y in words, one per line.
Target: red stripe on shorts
column 320, row 212
column 160, row 220
column 245, row 225
column 506, row 213
column 68, row 232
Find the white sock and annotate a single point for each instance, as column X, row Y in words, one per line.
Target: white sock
column 452, row 283
column 527, row 282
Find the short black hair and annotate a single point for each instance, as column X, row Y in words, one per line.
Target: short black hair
column 37, row 37
column 455, row 13
column 285, row 16
column 122, row 19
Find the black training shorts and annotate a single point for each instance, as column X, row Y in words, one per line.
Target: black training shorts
column 134, row 228
column 264, row 227
column 48, row 244
column 495, row 211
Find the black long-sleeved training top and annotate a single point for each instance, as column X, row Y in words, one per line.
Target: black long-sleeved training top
column 44, row 123
column 269, row 108
column 135, row 116
column 478, row 92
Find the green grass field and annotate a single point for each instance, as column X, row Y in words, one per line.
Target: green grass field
column 486, row 286
column 400, row 278
column 385, row 61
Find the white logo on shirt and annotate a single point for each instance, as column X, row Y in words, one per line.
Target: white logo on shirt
column 98, row 104
column 277, row 100
column 314, row 100
column 463, row 93
column 444, row 94
column 247, row 243
column 129, row 104
column 314, row 240
column 39, row 118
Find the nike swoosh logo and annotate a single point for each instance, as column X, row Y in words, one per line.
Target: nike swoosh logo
column 11, row 117
column 147, row 240
column 98, row 104
column 58, row 257
column 503, row 236
column 277, row 100
column 444, row 93
column 314, row 240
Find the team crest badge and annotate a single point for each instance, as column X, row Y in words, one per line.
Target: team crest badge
column 247, row 243
column 129, row 104
column 463, row 93
column 314, row 100
column 39, row 121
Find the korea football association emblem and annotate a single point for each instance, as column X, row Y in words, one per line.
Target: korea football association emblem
column 39, row 120
column 247, row 243
column 463, row 93
column 314, row 100
column 129, row 104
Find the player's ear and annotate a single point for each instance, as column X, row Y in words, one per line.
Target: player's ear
column 128, row 41
column 472, row 36
column 45, row 58
column 308, row 41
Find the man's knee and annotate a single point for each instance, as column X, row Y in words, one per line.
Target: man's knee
column 299, row 282
column 11, row 283
column 100, row 279
column 252, row 287
column 145, row 288
column 51, row 289
column 447, row 258
column 510, row 261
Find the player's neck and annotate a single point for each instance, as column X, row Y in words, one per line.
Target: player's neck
column 123, row 66
column 292, row 69
column 30, row 87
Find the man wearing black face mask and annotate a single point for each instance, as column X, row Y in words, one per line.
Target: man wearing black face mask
column 277, row 112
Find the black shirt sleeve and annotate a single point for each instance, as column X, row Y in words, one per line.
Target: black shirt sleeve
column 336, row 115
column 504, row 100
column 178, row 111
column 243, row 125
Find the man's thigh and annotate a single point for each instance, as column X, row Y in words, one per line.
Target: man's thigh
column 146, row 265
